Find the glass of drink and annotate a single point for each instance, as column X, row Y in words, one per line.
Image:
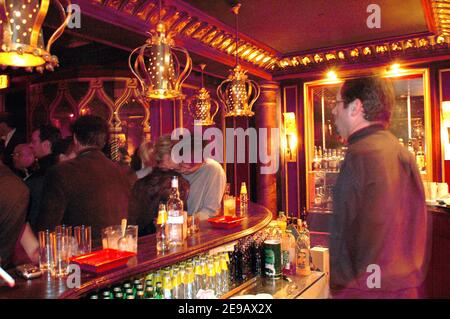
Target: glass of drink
column 45, row 250
column 83, row 239
column 229, row 206
column 60, row 248
column 192, row 224
column 112, row 234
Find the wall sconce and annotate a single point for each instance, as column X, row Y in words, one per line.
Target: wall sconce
column 394, row 70
column 4, row 81
column 445, row 128
column 290, row 132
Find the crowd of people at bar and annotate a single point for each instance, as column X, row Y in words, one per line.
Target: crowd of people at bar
column 49, row 181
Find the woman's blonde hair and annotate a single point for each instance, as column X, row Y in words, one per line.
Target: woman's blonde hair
column 163, row 146
column 147, row 154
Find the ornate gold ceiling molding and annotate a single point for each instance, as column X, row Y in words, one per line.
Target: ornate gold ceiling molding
column 183, row 20
column 413, row 47
column 441, row 12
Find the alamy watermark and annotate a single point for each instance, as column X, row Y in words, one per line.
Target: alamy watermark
column 374, row 19
column 374, row 279
column 258, row 146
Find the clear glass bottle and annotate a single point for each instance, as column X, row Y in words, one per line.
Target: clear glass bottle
column 210, row 275
column 243, row 201
column 199, row 283
column 177, row 289
column 189, row 282
column 175, row 219
column 167, row 285
column 289, row 257
column 218, row 275
column 319, row 158
column 303, row 249
column 225, row 274
column 162, row 231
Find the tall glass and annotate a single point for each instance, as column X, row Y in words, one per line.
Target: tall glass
column 45, row 250
column 83, row 239
column 61, row 248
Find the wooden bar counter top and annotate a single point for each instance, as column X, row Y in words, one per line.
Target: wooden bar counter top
column 146, row 260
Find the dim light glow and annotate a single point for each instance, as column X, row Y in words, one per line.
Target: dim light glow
column 332, row 75
column 20, row 60
column 445, row 127
column 4, row 81
column 394, row 70
column 290, row 141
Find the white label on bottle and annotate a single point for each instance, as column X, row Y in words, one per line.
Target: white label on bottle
column 175, row 219
column 175, row 183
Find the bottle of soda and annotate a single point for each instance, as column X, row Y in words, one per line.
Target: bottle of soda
column 159, row 292
column 149, row 292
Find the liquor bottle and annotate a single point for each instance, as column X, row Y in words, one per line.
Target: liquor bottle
column 288, row 253
column 420, row 158
column 316, row 160
column 175, row 219
column 325, row 160
column 162, row 231
column 282, row 221
column 243, row 200
column 319, row 158
column 303, row 249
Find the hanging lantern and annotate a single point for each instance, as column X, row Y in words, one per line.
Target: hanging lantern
column 199, row 105
column 157, row 65
column 22, row 42
column 237, row 92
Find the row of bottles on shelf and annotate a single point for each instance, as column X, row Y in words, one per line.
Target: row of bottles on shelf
column 185, row 280
column 282, row 248
column 417, row 152
column 329, row 160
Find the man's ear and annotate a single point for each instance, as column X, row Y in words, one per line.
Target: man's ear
column 356, row 107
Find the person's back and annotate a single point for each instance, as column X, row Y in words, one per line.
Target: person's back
column 89, row 190
column 385, row 222
column 14, row 198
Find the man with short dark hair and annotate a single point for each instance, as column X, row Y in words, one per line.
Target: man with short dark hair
column 89, row 189
column 10, row 137
column 379, row 245
column 43, row 141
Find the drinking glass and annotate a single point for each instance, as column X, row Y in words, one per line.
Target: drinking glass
column 229, row 206
column 60, row 248
column 83, row 239
column 45, row 250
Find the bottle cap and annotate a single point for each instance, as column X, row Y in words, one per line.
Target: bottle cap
column 174, row 182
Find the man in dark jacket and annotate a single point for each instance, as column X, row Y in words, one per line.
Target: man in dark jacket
column 88, row 190
column 43, row 141
column 13, row 209
column 379, row 246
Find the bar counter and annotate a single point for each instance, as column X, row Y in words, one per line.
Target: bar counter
column 146, row 260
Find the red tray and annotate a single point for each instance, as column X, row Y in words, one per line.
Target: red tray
column 225, row 221
column 102, row 260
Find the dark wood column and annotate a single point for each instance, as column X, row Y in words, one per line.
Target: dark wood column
column 267, row 116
